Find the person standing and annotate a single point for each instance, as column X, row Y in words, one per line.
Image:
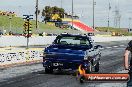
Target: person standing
column 128, row 66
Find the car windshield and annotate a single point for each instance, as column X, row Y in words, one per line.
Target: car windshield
column 72, row 40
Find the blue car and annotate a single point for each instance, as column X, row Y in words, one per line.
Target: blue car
column 69, row 51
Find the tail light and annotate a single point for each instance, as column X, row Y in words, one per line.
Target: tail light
column 87, row 58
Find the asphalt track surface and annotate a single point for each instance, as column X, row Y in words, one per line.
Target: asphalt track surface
column 111, row 62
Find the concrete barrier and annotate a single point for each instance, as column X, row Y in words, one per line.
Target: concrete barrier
column 14, row 57
column 6, row 41
column 107, row 39
column 39, row 40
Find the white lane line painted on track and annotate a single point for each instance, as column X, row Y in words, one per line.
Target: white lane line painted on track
column 115, row 46
column 108, row 47
column 112, row 47
column 122, row 45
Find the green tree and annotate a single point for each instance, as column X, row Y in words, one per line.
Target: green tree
column 49, row 11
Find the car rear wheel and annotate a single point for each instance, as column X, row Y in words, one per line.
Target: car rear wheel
column 81, row 79
column 48, row 70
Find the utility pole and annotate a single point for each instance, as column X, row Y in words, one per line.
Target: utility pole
column 117, row 18
column 109, row 16
column 61, row 3
column 119, row 21
column 130, row 22
column 72, row 14
column 94, row 3
column 10, row 18
column 36, row 15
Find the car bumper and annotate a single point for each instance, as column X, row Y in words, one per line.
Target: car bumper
column 62, row 65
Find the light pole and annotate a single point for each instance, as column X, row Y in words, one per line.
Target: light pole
column 72, row 14
column 36, row 15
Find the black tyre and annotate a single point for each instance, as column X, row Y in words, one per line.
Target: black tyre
column 82, row 79
column 97, row 67
column 48, row 70
column 89, row 69
column 79, row 77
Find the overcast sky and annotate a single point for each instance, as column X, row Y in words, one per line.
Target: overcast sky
column 82, row 8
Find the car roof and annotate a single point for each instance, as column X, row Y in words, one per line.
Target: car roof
column 73, row 35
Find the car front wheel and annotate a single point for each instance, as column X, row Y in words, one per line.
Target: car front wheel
column 48, row 70
column 97, row 67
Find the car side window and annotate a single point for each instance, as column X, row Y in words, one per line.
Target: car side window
column 84, row 42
